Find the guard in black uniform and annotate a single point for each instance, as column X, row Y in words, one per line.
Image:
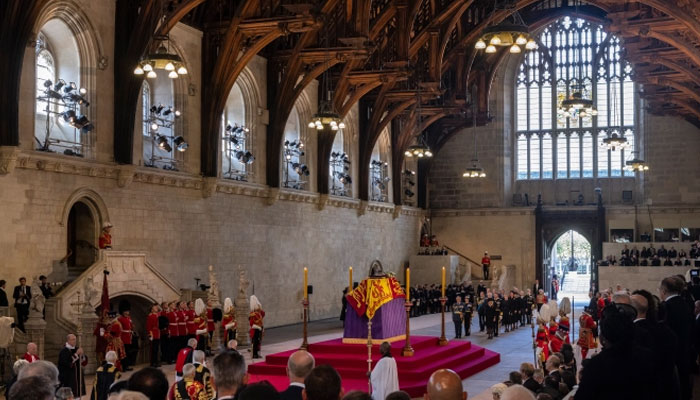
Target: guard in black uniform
column 467, row 316
column 457, row 316
column 491, row 316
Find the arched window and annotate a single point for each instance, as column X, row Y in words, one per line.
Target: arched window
column 236, row 144
column 380, row 168
column 573, row 52
column 295, row 171
column 339, row 172
column 146, row 101
column 45, row 70
column 163, row 144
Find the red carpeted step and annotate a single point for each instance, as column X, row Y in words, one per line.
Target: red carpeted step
column 351, row 362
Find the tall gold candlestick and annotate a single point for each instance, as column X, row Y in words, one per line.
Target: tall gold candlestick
column 350, row 284
column 443, row 281
column 306, row 283
column 408, row 284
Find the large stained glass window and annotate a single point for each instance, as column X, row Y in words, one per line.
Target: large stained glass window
column 551, row 144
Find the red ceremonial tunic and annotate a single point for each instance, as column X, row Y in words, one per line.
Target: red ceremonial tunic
column 181, row 323
column 126, row 329
column 485, row 260
column 30, row 357
column 227, row 319
column 585, row 336
column 191, row 325
column 555, row 343
column 172, row 323
column 152, row 326
column 210, row 320
column 100, row 341
column 256, row 318
column 105, row 240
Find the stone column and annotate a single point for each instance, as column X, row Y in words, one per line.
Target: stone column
column 242, row 313
column 216, row 338
column 87, row 322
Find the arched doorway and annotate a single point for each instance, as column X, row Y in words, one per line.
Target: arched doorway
column 82, row 236
column 571, row 264
column 140, row 307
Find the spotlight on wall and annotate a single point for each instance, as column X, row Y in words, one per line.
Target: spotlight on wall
column 180, row 143
column 408, row 193
column 162, row 142
column 301, row 169
column 245, row 157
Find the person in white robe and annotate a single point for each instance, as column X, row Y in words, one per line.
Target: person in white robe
column 385, row 375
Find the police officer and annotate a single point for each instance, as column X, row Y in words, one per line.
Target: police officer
column 458, row 316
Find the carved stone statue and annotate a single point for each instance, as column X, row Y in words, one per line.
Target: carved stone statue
column 213, row 293
column 376, row 270
column 243, row 284
column 36, row 303
column 89, row 290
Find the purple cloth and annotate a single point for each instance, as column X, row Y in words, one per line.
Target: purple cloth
column 389, row 321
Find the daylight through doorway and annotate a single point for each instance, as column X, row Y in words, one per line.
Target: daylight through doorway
column 571, row 260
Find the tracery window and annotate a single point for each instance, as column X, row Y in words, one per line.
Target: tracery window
column 45, row 70
column 551, row 145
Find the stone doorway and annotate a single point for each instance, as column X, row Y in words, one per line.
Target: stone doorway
column 82, row 232
column 140, row 308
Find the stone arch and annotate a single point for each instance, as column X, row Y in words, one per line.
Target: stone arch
column 91, row 199
column 90, row 53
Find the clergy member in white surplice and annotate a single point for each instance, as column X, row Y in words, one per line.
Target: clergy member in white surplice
column 385, row 375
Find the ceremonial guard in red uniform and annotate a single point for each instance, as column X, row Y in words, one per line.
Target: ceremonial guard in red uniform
column 229, row 321
column 586, row 341
column 164, row 326
column 540, row 299
column 182, row 324
column 200, row 324
column 256, row 325
column 105, row 241
column 114, row 340
column 174, row 332
column 191, row 325
column 542, row 338
column 184, row 356
column 154, row 335
column 126, row 334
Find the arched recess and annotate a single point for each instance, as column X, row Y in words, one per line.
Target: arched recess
column 380, row 169
column 90, row 198
column 304, row 112
column 90, row 52
column 247, row 95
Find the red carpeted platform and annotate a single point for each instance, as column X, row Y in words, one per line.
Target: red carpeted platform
column 350, row 360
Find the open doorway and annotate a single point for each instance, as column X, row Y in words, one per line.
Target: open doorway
column 571, row 263
column 139, row 308
column 82, row 235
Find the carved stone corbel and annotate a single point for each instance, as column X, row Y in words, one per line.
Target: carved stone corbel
column 322, row 201
column 8, row 159
column 397, row 210
column 209, row 187
column 272, row 195
column 363, row 208
column 126, row 175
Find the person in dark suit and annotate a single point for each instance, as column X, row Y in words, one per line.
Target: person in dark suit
column 3, row 294
column 602, row 375
column 527, row 370
column 679, row 318
column 299, row 366
column 22, row 294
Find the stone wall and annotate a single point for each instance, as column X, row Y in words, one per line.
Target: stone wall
column 634, row 278
column 182, row 232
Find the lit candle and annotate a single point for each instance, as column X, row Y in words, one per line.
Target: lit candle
column 306, row 283
column 350, row 285
column 408, row 283
column 443, row 281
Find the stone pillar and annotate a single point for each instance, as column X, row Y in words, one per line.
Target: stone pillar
column 216, row 338
column 35, row 328
column 87, row 322
column 242, row 313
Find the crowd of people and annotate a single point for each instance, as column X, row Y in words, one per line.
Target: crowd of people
column 650, row 256
column 429, row 246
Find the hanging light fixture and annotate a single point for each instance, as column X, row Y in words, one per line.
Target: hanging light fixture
column 327, row 118
column 636, row 164
column 615, row 141
column 163, row 59
column 420, row 149
column 578, row 104
column 513, row 34
column 474, row 170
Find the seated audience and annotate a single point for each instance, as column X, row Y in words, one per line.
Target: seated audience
column 398, row 395
column 357, row 395
column 445, row 384
column 527, row 370
column 517, row 392
column 498, row 389
column 228, row 374
column 32, row 388
column 259, row 391
column 514, row 378
column 149, row 381
column 299, row 366
column 323, row 383
column 40, row 368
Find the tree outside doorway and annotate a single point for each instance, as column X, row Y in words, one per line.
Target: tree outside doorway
column 571, row 261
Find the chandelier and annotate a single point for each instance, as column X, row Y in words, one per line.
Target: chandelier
column 327, row 118
column 420, row 149
column 615, row 141
column 161, row 59
column 578, row 106
column 512, row 34
column 636, row 164
column 475, row 170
